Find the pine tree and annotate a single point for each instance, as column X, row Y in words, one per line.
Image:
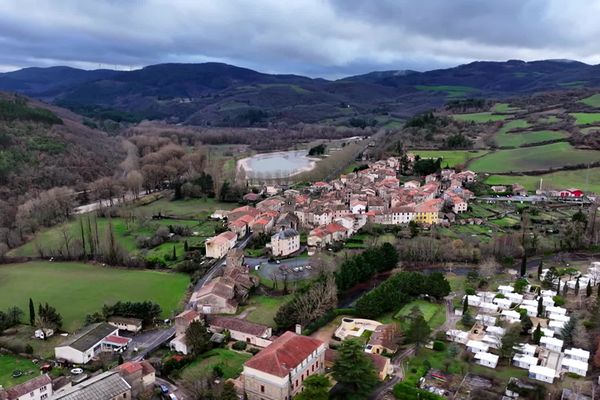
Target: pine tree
column 185, row 246
column 31, row 313
column 354, row 371
column 540, row 267
column 466, row 305
column 174, row 256
column 588, row 289
column 540, row 308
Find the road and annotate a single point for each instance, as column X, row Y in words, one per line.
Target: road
column 147, row 342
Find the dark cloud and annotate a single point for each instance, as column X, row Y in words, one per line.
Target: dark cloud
column 314, row 37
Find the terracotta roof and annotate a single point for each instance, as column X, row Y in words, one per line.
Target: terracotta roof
column 147, row 368
column 188, row 315
column 117, row 340
column 236, row 324
column 284, row 354
column 332, row 228
column 27, row 387
column 130, row 367
column 385, row 335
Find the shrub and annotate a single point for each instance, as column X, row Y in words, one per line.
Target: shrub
column 558, row 301
column 28, row 349
column 239, row 345
column 470, row 291
column 439, row 346
column 253, row 350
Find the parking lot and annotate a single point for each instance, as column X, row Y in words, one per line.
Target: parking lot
column 295, row 268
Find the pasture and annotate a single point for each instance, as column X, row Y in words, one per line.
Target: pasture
column 78, row 289
column 480, row 117
column 518, row 139
column 451, row 158
column 503, row 108
column 586, row 118
column 538, row 158
column 586, row 179
column 452, row 91
column 592, row 101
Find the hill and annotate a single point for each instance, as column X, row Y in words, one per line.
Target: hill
column 224, row 95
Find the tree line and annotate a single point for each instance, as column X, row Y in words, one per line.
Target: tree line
column 362, row 267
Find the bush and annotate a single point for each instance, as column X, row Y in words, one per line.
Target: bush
column 239, row 345
column 28, row 349
column 558, row 301
column 253, row 350
column 439, row 346
column 470, row 291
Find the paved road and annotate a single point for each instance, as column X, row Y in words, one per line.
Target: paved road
column 177, row 391
column 147, row 342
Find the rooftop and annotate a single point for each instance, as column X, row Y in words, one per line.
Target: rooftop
column 88, row 337
column 105, row 386
column 29, row 386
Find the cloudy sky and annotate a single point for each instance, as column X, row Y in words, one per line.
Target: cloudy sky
column 328, row 38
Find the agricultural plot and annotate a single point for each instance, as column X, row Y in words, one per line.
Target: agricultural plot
column 548, row 119
column 592, row 101
column 451, row 158
column 77, row 289
column 504, row 108
column 480, row 117
column 587, row 180
column 192, row 208
column 452, row 91
column 506, row 137
column 538, row 158
column 586, row 118
column 591, row 129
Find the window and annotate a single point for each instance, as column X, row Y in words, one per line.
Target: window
column 44, row 396
column 124, row 395
column 262, row 388
column 43, row 389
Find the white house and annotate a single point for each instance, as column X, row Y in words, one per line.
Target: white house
column 126, row 324
column 524, row 361
column 495, row 330
column 502, row 303
column 486, row 319
column 90, row 342
column 577, row 354
column 492, row 340
column 543, row 374
column 476, row 346
column 458, row 336
column 505, row 289
column 514, row 297
column 510, row 316
column 525, row 348
column 487, row 359
column 559, row 317
column 487, row 297
column 547, row 332
column 574, row 366
column 555, row 310
column 556, row 326
column 218, row 246
column 285, row 242
column 547, row 301
column 488, row 308
column 531, row 310
column 551, row 343
column 473, row 300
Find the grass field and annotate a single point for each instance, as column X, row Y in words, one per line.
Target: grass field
column 434, row 314
column 548, row 119
column 452, row 91
column 592, row 101
column 10, row 363
column 528, row 137
column 450, row 157
column 587, row 180
column 480, row 117
column 192, row 208
column 591, row 129
column 263, row 308
column 503, row 108
column 586, row 118
column 538, row 158
column 231, row 362
column 77, row 289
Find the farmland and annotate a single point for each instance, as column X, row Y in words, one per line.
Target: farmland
column 480, row 117
column 452, row 91
column 586, row 118
column 538, row 158
column 451, row 157
column 77, row 289
column 587, row 180
column 592, row 101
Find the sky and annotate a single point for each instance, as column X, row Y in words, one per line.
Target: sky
column 318, row 38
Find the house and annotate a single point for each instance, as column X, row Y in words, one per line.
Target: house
column 285, row 242
column 524, row 361
column 458, row 336
column 105, row 386
column 216, row 297
column 39, row 388
column 499, row 189
column 383, row 339
column 525, row 348
column 574, row 366
column 487, row 359
column 182, row 322
column 519, row 190
column 126, row 324
column 476, row 346
column 239, row 227
column 571, row 193
column 458, row 204
column 504, row 304
column 543, row 374
column 242, row 330
column 90, row 342
column 139, row 375
column 551, row 343
column 577, row 354
column 277, row 372
column 505, row 289
column 318, row 237
column 510, row 316
column 218, row 246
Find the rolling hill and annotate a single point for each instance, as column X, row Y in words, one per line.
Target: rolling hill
column 226, row 95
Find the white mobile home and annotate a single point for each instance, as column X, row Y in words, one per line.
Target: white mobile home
column 487, row 359
column 551, row 343
column 476, row 346
column 577, row 354
column 575, row 366
column 524, row 361
column 543, row 374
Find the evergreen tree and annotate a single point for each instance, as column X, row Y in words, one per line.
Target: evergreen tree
column 174, row 256
column 540, row 267
column 588, row 289
column 316, row 387
column 185, row 246
column 509, row 340
column 466, row 305
column 577, row 287
column 418, row 331
column 540, row 308
column 565, row 288
column 197, row 338
column 31, row 313
column 537, row 334
column 229, row 392
column 354, row 371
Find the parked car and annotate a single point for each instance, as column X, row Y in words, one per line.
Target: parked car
column 163, row 389
column 308, row 267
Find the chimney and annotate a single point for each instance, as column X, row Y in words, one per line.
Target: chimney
column 298, row 329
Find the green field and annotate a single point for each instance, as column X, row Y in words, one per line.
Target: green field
column 450, row 157
column 503, row 108
column 587, row 180
column 231, row 362
column 480, row 117
column 434, row 314
column 592, row 101
column 77, row 289
column 192, row 208
column 506, row 138
column 591, row 129
column 10, row 363
column 586, row 118
column 538, row 158
column 262, row 309
column 451, row 91
column 548, row 119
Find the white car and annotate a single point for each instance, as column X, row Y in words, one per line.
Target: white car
column 308, row 267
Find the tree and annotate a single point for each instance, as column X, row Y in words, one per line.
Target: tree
column 354, row 371
column 466, row 305
column 229, row 392
column 588, row 289
column 509, row 340
column 540, row 267
column 418, row 331
column 566, row 333
column 524, row 265
column 48, row 317
column 316, row 387
column 577, row 287
column 540, row 307
column 537, row 334
column 31, row 313
column 174, row 256
column 197, row 337
column 526, row 323
column 597, row 353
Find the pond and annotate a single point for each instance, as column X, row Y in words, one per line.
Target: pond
column 280, row 164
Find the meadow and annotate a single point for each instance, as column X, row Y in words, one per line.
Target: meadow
column 592, row 101
column 78, row 289
column 504, row 108
column 262, row 309
column 587, row 180
column 586, row 118
column 230, row 361
column 505, row 137
column 480, row 117
column 434, row 314
column 451, row 158
column 452, row 91
column 10, row 363
column 538, row 158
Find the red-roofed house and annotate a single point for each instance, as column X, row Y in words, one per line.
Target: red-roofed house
column 277, row 372
column 39, row 388
column 218, row 246
column 140, row 375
